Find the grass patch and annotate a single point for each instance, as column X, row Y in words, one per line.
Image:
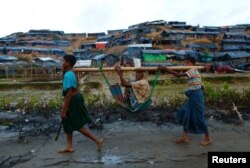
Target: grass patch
column 36, row 85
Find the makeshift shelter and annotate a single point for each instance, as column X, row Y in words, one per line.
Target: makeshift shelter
column 101, row 44
column 181, row 26
column 209, row 35
column 211, row 29
column 154, row 56
column 75, row 34
column 182, row 54
column 7, row 58
column 7, row 41
column 230, row 48
column 88, row 45
column 167, row 41
column 233, row 29
column 57, row 51
column 247, row 37
column 116, row 32
column 96, row 35
column 202, row 47
column 56, row 32
column 40, row 43
column 3, row 50
column 46, row 62
column 235, row 42
column 81, row 53
column 83, row 63
column 233, row 57
column 134, row 51
column 7, row 64
column 148, row 30
column 205, row 57
column 139, row 25
column 117, row 40
column 145, row 40
column 173, row 34
column 105, row 60
column 157, row 23
column 176, row 23
column 104, row 38
column 62, row 43
column 129, row 41
column 233, row 36
column 246, row 48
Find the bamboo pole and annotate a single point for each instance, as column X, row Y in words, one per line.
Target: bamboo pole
column 136, row 69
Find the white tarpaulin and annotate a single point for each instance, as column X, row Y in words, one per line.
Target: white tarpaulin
column 83, row 63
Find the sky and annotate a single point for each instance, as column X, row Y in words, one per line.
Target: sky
column 90, row 16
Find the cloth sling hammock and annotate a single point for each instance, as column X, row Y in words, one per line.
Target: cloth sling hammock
column 117, row 94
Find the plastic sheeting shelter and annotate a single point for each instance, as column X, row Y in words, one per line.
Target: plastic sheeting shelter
column 155, row 56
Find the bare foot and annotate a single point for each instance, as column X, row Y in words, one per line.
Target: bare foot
column 99, row 144
column 181, row 140
column 66, row 150
column 205, row 142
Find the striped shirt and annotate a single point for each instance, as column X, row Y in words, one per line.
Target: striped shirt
column 194, row 79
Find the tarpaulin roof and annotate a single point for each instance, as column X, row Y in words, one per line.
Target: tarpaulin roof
column 232, row 55
column 7, row 39
column 140, row 45
column 8, row 58
column 164, row 33
column 80, row 50
column 101, row 56
column 176, row 22
column 104, row 38
column 47, row 31
column 154, row 51
column 234, row 34
column 154, row 55
column 116, row 31
column 185, row 52
column 239, row 41
column 235, row 47
column 97, row 34
column 44, row 59
column 87, row 44
column 202, row 46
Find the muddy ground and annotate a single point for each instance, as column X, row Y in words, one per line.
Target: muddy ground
column 130, row 141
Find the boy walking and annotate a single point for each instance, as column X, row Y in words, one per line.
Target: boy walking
column 74, row 113
column 192, row 114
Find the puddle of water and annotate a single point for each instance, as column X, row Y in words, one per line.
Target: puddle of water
column 109, row 160
column 106, row 160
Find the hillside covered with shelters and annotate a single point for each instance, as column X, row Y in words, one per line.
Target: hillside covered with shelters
column 226, row 48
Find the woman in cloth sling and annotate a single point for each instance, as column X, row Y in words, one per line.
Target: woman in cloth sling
column 74, row 113
column 192, row 115
column 136, row 92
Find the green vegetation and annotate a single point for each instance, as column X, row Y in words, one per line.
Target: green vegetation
column 169, row 94
column 225, row 96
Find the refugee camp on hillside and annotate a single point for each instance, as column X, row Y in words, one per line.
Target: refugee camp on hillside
column 165, row 88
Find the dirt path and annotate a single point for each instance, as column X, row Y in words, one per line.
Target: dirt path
column 127, row 144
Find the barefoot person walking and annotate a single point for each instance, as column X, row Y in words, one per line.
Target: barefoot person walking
column 192, row 114
column 74, row 113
